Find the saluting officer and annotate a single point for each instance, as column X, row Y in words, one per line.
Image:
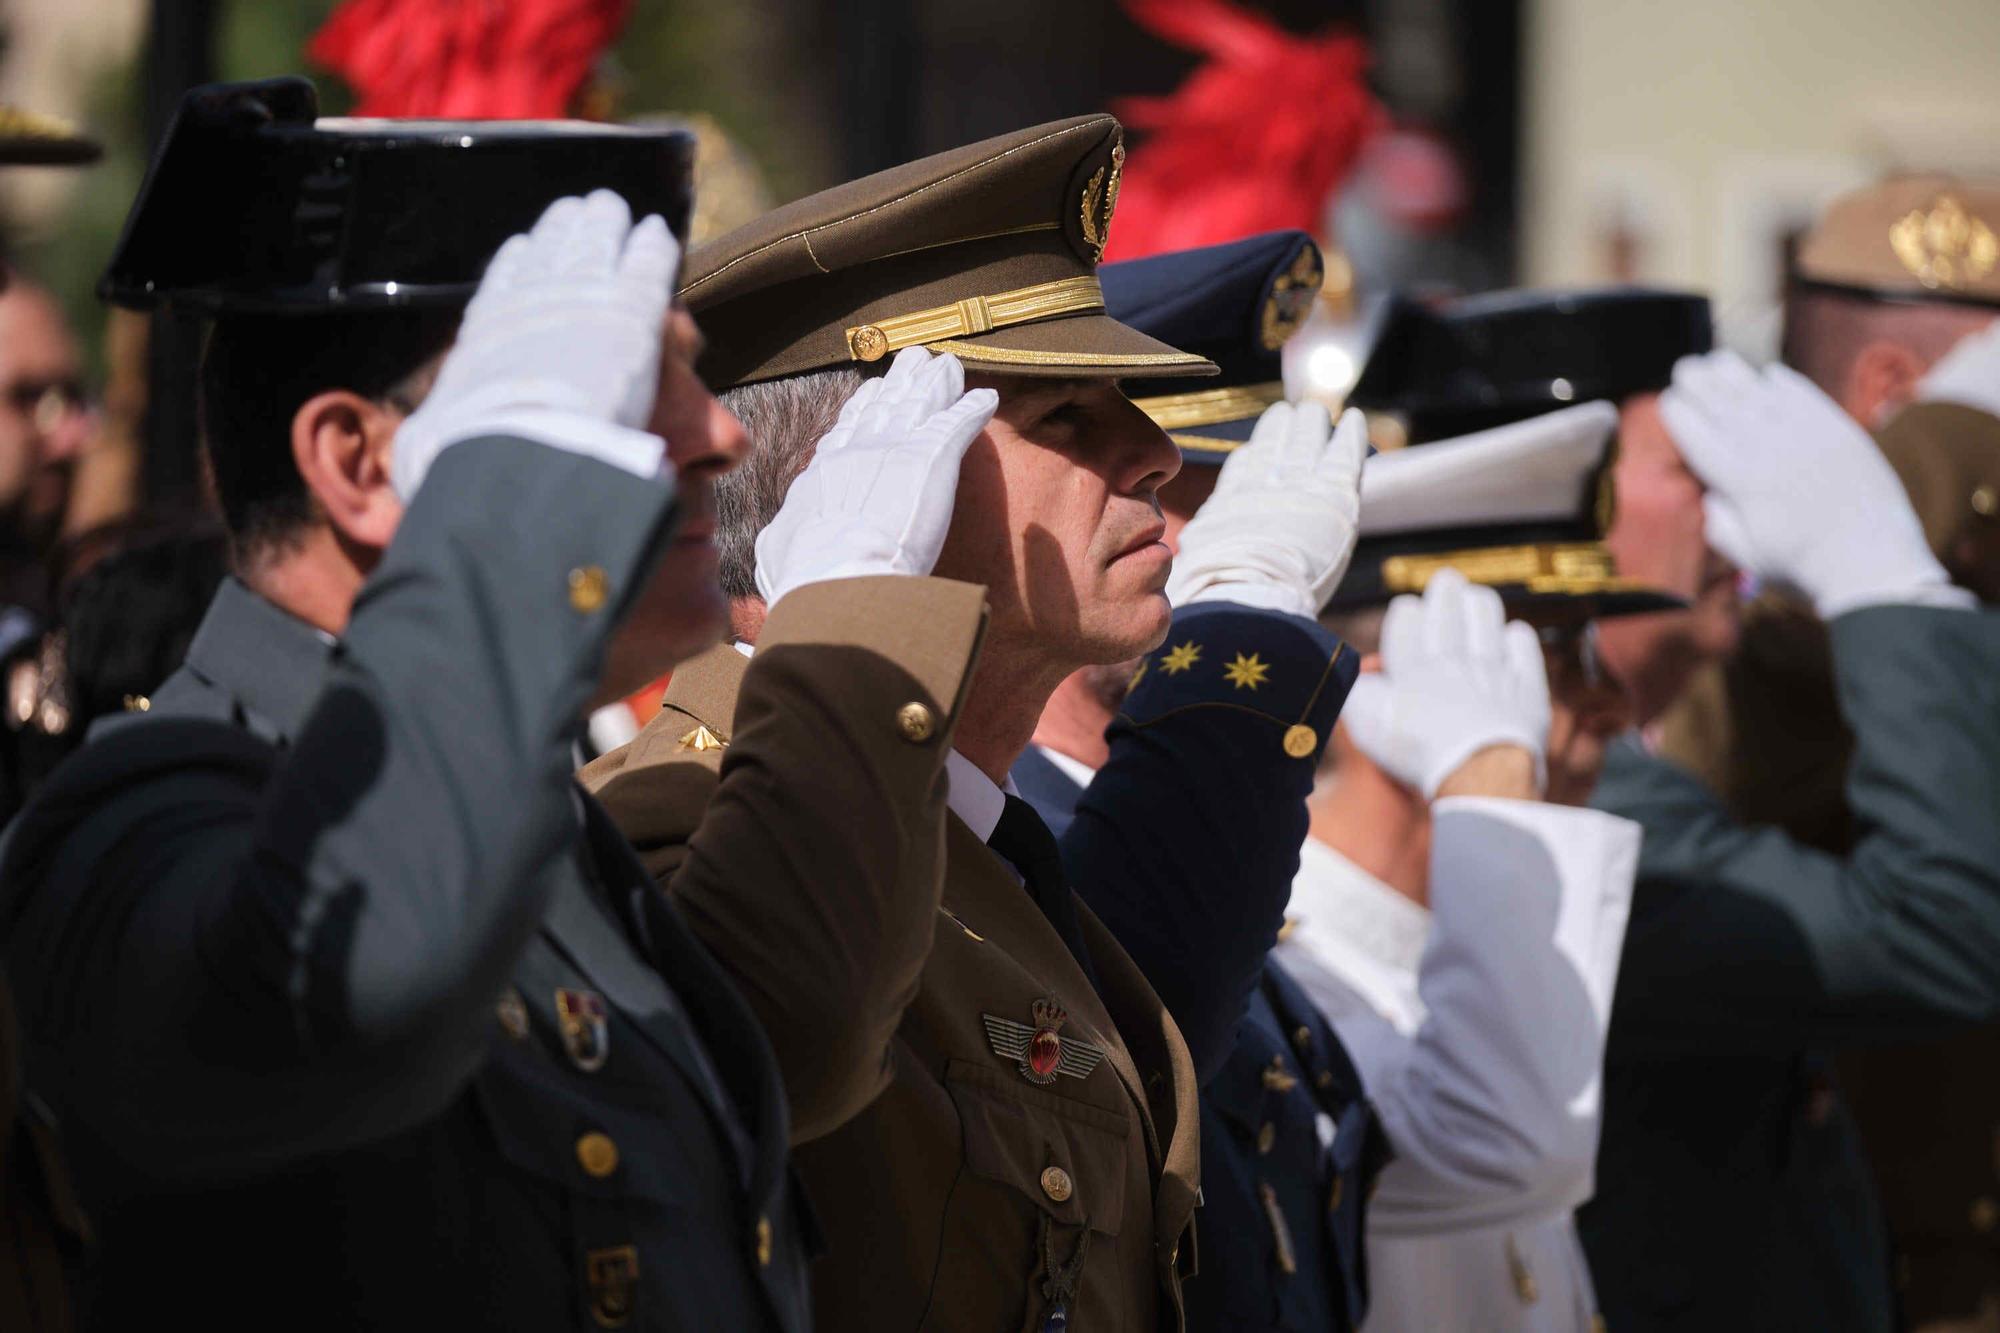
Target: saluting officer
column 1032, row 1162
column 1729, row 1190
column 1891, row 310
column 1466, row 950
column 1281, row 1218
column 357, row 1012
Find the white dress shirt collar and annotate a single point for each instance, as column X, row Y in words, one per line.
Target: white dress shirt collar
column 973, row 797
column 1346, row 921
column 1074, row 769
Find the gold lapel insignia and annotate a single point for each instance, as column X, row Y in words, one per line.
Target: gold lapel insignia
column 586, row 1027
column 1946, row 246
column 1040, row 1051
column 1100, row 200
column 1277, row 1078
column 701, row 738
column 512, row 1011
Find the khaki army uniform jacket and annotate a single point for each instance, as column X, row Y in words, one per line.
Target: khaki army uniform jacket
column 968, row 1194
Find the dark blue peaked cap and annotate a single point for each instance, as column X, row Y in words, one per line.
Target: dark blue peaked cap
column 1235, row 304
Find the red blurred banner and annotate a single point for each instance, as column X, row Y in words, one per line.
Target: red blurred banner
column 1256, row 139
column 467, row 59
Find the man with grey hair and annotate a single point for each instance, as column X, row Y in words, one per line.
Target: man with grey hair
column 1031, row 1160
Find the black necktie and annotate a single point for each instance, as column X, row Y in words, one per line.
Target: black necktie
column 1026, row 842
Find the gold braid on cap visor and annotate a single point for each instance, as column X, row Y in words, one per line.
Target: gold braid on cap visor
column 1210, row 407
column 1546, row 567
column 975, row 314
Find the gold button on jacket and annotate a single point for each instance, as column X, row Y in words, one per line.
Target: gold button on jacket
column 937, row 1195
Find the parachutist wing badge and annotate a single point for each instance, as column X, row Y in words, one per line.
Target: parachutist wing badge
column 1039, row 1050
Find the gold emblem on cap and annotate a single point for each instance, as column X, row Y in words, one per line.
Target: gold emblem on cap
column 1290, row 301
column 1100, row 200
column 868, row 343
column 1946, row 245
column 1300, row 740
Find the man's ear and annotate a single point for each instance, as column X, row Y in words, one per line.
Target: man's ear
column 1881, row 382
column 341, row 443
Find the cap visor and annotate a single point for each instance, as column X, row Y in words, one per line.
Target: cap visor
column 1075, row 346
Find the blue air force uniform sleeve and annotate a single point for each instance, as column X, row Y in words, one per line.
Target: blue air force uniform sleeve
column 1186, row 841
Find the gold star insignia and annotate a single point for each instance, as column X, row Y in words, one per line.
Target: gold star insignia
column 1138, row 674
column 1246, row 673
column 701, row 738
column 1180, row 659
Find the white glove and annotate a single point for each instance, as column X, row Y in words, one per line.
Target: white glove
column 1969, row 374
column 1456, row 678
column 877, row 496
column 560, row 344
column 1796, row 490
column 1280, row 527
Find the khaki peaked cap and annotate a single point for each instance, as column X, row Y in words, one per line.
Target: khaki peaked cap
column 1921, row 237
column 988, row 251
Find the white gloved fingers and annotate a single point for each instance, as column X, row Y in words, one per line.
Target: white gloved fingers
column 1444, row 615
column 1528, row 668
column 1306, row 439
column 502, row 273
column 1256, row 460
column 1402, row 631
column 547, row 240
column 951, row 375
column 1723, row 530
column 850, row 415
column 598, row 238
column 1697, row 437
column 1968, row 374
column 651, row 260
column 961, row 423
column 1484, row 619
column 1369, row 716
column 1340, row 463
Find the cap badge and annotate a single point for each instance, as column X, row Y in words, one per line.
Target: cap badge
column 1100, row 199
column 586, row 1027
column 1290, row 301
column 1040, row 1051
column 1946, row 246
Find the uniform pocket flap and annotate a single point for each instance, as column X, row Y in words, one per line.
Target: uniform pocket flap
column 1066, row 1157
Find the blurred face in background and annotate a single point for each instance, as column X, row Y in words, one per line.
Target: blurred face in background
column 44, row 422
column 1656, row 537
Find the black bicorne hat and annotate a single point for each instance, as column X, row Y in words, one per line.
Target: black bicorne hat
column 1456, row 366
column 253, row 204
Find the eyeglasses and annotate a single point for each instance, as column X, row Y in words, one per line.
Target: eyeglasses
column 47, row 403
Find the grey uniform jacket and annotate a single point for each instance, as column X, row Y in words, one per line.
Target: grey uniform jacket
column 1729, row 1190
column 356, row 1011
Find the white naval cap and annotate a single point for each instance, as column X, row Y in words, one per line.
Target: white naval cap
column 1521, row 508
